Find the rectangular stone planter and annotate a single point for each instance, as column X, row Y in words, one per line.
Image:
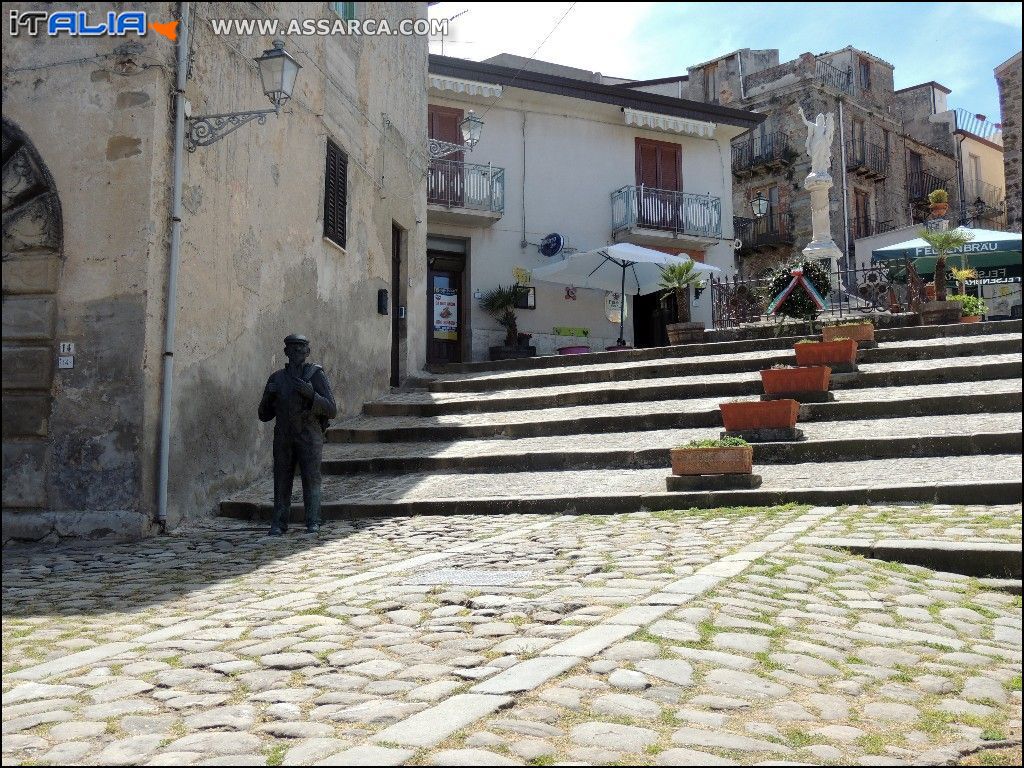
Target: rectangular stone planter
column 776, row 414
column 862, row 333
column 840, row 356
column 685, row 333
column 785, row 381
column 941, row 312
column 736, row 460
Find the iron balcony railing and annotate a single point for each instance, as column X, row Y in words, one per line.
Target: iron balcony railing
column 989, row 195
column 833, row 77
column 663, row 209
column 921, row 183
column 775, row 228
column 865, row 226
column 865, row 157
column 759, row 150
column 455, row 184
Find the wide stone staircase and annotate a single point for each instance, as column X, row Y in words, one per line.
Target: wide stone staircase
column 934, row 415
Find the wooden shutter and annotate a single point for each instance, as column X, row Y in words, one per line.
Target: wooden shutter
column 336, row 194
column 659, row 165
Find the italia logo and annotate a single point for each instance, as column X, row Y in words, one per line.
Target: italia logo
column 79, row 24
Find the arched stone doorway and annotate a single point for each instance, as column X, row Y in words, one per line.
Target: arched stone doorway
column 32, row 260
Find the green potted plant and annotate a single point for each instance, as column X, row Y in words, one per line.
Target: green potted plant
column 938, row 201
column 728, row 456
column 944, row 243
column 971, row 307
column 840, row 354
column 572, row 349
column 676, row 280
column 500, row 303
column 862, row 332
column 961, row 275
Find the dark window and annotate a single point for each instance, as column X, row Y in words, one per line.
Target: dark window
column 346, row 11
column 886, row 140
column 915, row 162
column 864, row 73
column 336, row 194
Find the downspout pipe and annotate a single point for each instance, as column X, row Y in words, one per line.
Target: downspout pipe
column 171, row 303
column 846, row 205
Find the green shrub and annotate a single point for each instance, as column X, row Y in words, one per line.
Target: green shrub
column 938, row 196
column 799, row 305
column 969, row 305
column 809, row 341
column 725, row 442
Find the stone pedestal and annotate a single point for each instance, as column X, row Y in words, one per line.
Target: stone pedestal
column 712, row 482
column 940, row 312
column 822, row 247
column 802, row 397
column 778, row 435
column 685, row 333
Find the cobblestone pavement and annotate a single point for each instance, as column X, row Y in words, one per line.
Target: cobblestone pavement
column 695, row 637
column 671, row 438
column 692, row 405
column 411, row 486
column 512, row 394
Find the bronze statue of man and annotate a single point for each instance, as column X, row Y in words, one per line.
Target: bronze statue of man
column 300, row 398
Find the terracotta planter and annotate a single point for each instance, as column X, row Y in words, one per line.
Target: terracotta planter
column 929, row 291
column 781, row 381
column 939, row 210
column 855, row 331
column 769, row 414
column 738, row 460
column 827, row 352
column 970, row 319
column 578, row 349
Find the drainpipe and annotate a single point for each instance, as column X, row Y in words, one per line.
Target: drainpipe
column 846, row 207
column 523, row 243
column 172, row 276
column 739, row 66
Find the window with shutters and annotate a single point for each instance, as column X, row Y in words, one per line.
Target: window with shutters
column 346, row 11
column 336, row 195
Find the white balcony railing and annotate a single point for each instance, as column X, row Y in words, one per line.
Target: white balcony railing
column 662, row 209
column 455, row 184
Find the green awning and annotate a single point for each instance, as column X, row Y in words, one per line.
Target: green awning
column 989, row 248
column 925, row 265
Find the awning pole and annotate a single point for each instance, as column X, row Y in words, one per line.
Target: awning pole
column 622, row 307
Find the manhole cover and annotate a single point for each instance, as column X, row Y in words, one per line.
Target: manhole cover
column 467, row 577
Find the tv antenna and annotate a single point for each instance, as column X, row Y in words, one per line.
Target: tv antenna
column 445, row 33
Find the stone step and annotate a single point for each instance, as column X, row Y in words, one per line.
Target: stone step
column 951, row 370
column 996, row 396
column 927, row 349
column 878, row 481
column 970, row 558
column 516, row 458
column 725, row 347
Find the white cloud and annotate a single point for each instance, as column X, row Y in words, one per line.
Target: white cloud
column 594, row 36
column 1001, row 13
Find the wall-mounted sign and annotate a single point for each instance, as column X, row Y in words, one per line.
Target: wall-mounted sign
column 446, row 314
column 65, row 361
column 522, row 276
column 612, row 304
column 66, row 348
column 570, row 293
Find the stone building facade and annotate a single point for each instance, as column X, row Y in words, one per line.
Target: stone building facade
column 88, row 153
column 882, row 170
column 1008, row 76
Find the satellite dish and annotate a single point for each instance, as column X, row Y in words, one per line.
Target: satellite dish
column 737, row 244
column 552, row 245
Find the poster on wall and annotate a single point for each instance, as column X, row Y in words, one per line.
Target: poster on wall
column 446, row 314
column 612, row 303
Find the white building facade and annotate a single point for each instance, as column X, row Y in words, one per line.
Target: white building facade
column 592, row 162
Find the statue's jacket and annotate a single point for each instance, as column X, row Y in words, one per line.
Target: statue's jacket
column 295, row 414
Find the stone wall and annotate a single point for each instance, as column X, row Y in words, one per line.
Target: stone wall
column 254, row 263
column 1008, row 75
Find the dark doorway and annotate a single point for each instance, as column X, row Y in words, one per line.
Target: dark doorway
column 396, row 295
column 650, row 314
column 446, row 307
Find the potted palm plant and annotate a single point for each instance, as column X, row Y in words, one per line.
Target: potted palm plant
column 676, row 280
column 943, row 243
column 500, row 303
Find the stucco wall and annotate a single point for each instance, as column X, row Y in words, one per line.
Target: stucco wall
column 577, row 154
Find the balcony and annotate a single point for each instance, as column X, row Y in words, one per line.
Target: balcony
column 765, row 153
column 647, row 216
column 865, row 226
column 768, row 231
column 921, row 183
column 465, row 193
column 866, row 159
column 833, row 77
column 983, row 195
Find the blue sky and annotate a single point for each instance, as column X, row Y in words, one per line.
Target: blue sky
column 956, row 44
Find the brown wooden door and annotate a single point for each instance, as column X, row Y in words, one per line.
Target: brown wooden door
column 396, row 293
column 659, row 174
column 446, row 306
column 445, row 177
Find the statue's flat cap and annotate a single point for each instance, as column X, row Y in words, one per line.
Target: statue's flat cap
column 296, row 338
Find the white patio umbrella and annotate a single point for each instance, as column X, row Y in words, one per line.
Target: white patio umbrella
column 621, row 266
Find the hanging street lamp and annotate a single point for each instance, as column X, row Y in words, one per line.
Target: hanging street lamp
column 471, row 127
column 759, row 206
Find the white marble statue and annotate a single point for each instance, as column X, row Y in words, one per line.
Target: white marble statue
column 819, row 141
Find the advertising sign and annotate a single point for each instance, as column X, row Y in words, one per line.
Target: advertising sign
column 446, row 314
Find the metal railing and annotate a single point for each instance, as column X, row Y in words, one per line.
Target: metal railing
column 834, row 77
column 854, row 293
column 775, row 228
column 921, row 183
column 990, row 195
column 866, row 157
column 865, row 226
column 466, row 185
column 758, row 150
column 663, row 209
